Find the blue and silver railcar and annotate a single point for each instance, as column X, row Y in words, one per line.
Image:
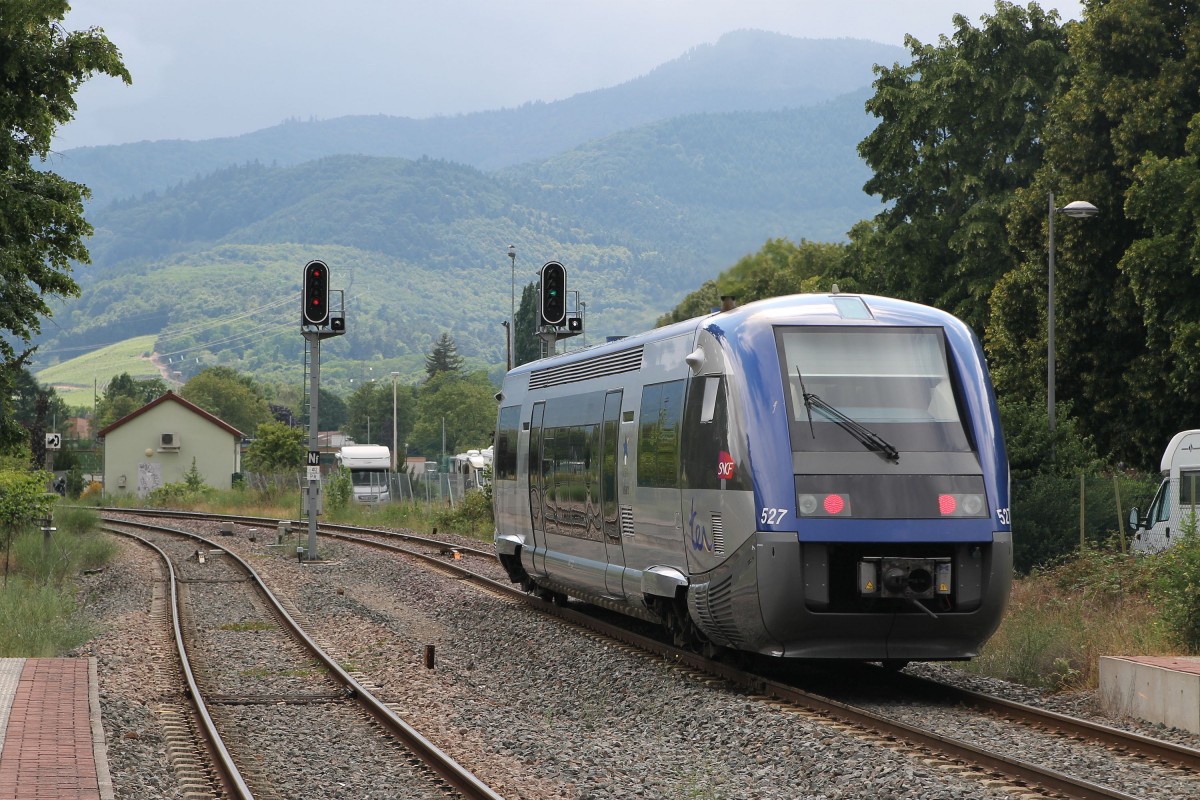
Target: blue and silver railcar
column 814, row 476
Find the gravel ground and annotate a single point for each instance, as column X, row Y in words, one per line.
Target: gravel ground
column 536, row 709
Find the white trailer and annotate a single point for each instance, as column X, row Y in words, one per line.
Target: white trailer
column 1174, row 508
column 370, row 471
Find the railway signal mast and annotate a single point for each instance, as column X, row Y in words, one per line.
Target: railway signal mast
column 554, row 322
column 318, row 321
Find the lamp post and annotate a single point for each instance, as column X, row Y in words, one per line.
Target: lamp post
column 508, row 342
column 512, row 302
column 1078, row 209
column 394, row 376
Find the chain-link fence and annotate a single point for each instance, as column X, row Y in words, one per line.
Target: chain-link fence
column 1057, row 515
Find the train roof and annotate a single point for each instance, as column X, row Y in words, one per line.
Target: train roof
column 817, row 309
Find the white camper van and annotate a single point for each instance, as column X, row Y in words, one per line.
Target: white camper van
column 370, row 471
column 1174, row 507
column 473, row 465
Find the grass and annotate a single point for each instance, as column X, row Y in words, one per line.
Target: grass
column 1061, row 620
column 76, row 379
column 38, row 596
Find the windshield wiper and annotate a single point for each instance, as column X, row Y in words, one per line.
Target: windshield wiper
column 866, row 437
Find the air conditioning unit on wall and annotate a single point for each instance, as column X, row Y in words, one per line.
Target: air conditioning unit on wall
column 169, row 441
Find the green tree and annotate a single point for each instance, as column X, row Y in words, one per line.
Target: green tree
column 230, row 396
column 961, row 127
column 464, row 406
column 331, row 410
column 21, row 398
column 125, row 394
column 1119, row 136
column 780, row 268
column 42, row 228
column 444, row 357
column 526, row 345
column 23, row 499
column 276, row 448
column 369, row 413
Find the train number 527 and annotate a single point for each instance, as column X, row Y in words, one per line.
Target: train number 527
column 772, row 516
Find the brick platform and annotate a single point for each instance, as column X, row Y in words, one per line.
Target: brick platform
column 51, row 740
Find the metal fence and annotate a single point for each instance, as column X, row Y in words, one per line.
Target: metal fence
column 1054, row 516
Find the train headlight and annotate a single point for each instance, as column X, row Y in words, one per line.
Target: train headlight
column 807, row 504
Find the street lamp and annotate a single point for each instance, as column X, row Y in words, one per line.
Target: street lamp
column 512, row 302
column 394, row 376
column 1078, row 209
column 507, row 341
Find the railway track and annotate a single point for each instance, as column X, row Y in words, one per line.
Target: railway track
column 1175, row 764
column 240, row 648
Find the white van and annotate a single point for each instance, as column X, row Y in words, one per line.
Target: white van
column 370, row 471
column 1174, row 507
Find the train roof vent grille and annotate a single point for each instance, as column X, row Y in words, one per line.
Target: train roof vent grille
column 599, row 367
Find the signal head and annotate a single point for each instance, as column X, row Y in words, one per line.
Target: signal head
column 553, row 294
column 316, row 293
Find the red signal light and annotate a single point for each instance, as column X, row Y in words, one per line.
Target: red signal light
column 833, row 504
column 947, row 504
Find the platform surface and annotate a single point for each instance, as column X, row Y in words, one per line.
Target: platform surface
column 51, row 740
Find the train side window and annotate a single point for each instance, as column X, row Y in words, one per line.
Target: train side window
column 505, row 461
column 659, row 434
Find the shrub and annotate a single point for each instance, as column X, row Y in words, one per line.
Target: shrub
column 471, row 517
column 178, row 495
column 93, row 492
column 1062, row 618
column 1176, row 586
column 339, row 490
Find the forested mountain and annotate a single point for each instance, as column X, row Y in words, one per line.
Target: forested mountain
column 743, row 71
column 639, row 215
column 639, row 218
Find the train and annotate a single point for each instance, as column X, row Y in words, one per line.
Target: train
column 816, row 476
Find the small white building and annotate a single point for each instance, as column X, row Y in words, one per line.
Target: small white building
column 155, row 445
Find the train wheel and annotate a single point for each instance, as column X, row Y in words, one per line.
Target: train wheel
column 683, row 630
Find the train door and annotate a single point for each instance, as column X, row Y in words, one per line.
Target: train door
column 537, row 489
column 609, row 487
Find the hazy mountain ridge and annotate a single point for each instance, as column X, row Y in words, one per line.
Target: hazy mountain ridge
column 743, row 71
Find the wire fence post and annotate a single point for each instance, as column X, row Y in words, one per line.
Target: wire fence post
column 1082, row 514
column 1120, row 515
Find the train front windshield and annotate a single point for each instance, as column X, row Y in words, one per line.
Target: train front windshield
column 892, row 382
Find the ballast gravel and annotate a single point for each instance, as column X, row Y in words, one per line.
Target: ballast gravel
column 536, row 709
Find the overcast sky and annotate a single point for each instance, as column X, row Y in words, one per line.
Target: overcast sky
column 209, row 68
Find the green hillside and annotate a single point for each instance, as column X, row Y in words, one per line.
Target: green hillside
column 640, row 218
column 76, row 379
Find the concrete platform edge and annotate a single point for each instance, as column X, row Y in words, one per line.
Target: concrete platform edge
column 99, row 744
column 1150, row 691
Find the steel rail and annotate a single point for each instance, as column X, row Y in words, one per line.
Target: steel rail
column 229, row 774
column 434, row 757
column 1148, row 747
column 1019, row 771
column 270, row 522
